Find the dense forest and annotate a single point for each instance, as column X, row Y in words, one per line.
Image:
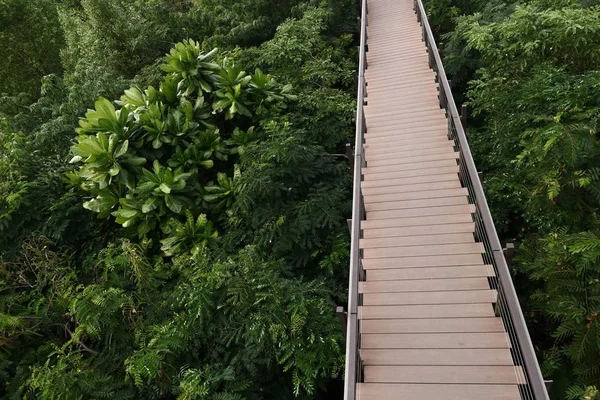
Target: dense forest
column 173, row 226
column 174, row 194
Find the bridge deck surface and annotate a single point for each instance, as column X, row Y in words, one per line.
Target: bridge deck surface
column 428, row 327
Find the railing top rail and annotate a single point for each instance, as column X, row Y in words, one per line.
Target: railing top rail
column 352, row 324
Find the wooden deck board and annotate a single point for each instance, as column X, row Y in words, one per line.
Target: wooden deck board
column 401, row 153
column 424, row 262
column 446, row 272
column 416, row 240
column 423, row 285
column 421, row 212
column 416, row 204
column 424, row 250
column 417, row 221
column 444, row 374
column 496, row 340
column 453, row 297
column 436, row 357
column 409, row 145
column 423, row 311
column 441, row 325
column 391, row 391
column 420, row 195
column 418, row 230
column 418, row 173
column 414, row 187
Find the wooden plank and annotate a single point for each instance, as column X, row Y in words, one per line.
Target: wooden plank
column 421, row 212
column 391, row 136
column 424, row 261
column 377, row 124
column 424, row 285
column 413, row 160
column 399, row 98
column 398, row 115
column 416, row 221
column 425, row 194
column 445, row 272
column 440, row 325
column 421, row 311
column 436, row 357
column 415, row 204
column 496, row 340
column 396, row 391
column 428, row 89
column 418, row 142
column 409, row 56
column 409, row 167
column 503, row 375
column 451, row 297
column 419, row 51
column 418, row 230
column 407, row 145
column 402, row 100
column 410, row 86
column 398, row 42
column 426, row 250
column 380, row 73
column 416, row 240
column 381, row 155
column 400, row 111
column 415, row 187
column 427, row 77
column 428, row 165
column 421, row 79
column 415, row 173
column 415, row 180
column 407, row 77
column 398, row 63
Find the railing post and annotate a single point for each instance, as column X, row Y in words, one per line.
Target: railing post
column 343, row 318
column 509, row 253
column 463, row 116
column 350, row 156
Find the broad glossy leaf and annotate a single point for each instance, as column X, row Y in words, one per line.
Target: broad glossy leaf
column 121, row 149
column 151, row 204
column 173, row 203
column 105, row 109
column 101, row 204
column 165, row 188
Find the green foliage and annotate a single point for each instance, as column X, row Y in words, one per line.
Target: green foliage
column 31, row 40
column 173, row 129
column 569, row 267
column 206, row 286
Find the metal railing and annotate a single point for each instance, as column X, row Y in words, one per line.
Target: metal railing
column 507, row 305
column 353, row 361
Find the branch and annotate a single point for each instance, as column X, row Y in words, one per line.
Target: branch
column 83, row 346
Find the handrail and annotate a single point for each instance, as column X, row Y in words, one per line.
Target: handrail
column 353, row 362
column 507, row 304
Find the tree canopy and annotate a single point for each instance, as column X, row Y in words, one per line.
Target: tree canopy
column 185, row 236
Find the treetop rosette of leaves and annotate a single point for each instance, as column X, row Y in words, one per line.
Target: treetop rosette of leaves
column 153, row 158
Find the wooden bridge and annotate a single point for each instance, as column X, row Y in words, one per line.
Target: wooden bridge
column 432, row 310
